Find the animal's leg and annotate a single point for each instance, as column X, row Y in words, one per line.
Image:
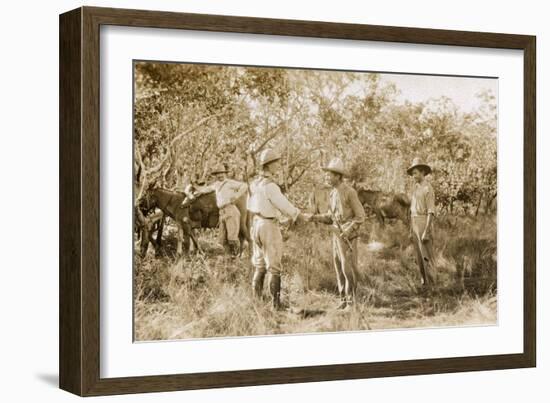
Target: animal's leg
column 195, row 242
column 158, row 241
column 189, row 235
column 244, row 233
column 186, row 243
column 380, row 217
column 144, row 243
column 181, row 236
column 248, row 233
column 184, row 233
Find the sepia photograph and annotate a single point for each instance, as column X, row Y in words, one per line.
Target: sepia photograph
column 275, row 200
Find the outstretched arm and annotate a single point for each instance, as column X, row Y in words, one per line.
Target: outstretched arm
column 325, row 218
column 281, row 203
column 204, row 190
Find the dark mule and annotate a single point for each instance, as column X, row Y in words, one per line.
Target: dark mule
column 169, row 203
column 201, row 209
column 145, row 226
column 385, row 204
column 199, row 213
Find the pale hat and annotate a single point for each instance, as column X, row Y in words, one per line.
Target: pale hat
column 417, row 163
column 336, row 165
column 218, row 169
column 268, row 155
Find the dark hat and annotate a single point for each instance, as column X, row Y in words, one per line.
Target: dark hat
column 218, row 169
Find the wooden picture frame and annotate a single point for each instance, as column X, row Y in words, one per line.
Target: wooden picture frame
column 79, row 347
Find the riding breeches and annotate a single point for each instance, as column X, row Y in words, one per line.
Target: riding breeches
column 267, row 245
column 229, row 224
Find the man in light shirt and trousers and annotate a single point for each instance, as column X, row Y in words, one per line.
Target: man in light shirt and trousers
column 228, row 191
column 266, row 203
column 422, row 216
column 345, row 215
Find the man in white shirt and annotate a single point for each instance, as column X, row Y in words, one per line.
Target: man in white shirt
column 228, row 191
column 422, row 216
column 265, row 203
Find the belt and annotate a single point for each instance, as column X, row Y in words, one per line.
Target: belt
column 261, row 216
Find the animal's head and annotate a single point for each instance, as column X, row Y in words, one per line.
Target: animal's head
column 148, row 199
column 367, row 196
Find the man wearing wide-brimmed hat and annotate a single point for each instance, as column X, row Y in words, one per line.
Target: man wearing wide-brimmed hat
column 266, row 203
column 345, row 215
column 422, row 216
column 228, row 191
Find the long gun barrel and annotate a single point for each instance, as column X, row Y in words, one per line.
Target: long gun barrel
column 341, row 234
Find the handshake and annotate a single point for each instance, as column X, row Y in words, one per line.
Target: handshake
column 303, row 218
column 308, row 217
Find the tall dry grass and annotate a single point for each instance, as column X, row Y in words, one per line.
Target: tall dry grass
column 210, row 296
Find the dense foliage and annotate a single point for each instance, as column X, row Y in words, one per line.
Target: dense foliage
column 187, row 117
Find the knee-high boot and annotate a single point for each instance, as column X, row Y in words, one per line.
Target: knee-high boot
column 274, row 282
column 258, row 283
column 234, row 248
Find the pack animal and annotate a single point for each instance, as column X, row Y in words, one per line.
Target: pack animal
column 385, row 205
column 201, row 212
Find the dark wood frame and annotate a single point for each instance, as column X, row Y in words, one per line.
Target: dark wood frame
column 79, row 201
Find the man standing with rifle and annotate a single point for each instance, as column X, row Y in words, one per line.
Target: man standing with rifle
column 345, row 216
column 422, row 216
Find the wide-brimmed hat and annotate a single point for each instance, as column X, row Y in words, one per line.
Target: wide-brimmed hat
column 417, row 163
column 268, row 155
column 336, row 165
column 218, row 169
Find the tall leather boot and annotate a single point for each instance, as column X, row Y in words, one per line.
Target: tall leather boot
column 274, row 282
column 234, row 248
column 258, row 283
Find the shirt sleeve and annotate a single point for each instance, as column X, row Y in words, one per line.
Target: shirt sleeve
column 234, row 185
column 325, row 218
column 243, row 187
column 206, row 189
column 280, row 202
column 430, row 200
column 357, row 208
column 237, row 190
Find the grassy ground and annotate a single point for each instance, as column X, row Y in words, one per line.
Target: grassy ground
column 210, row 296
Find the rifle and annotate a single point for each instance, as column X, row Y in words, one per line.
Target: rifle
column 339, row 225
